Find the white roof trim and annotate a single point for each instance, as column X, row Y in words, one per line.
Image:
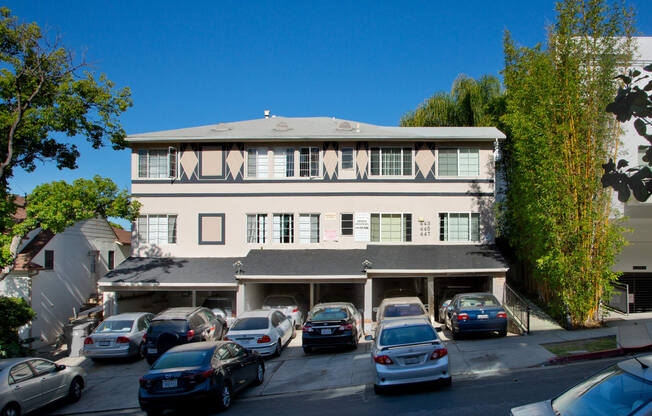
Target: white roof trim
column 437, row 271
column 149, row 284
column 302, row 277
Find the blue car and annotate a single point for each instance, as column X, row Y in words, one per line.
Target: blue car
column 476, row 312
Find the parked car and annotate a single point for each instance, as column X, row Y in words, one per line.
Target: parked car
column 401, row 308
column 476, row 312
column 177, row 326
column 199, row 374
column 621, row 389
column 332, row 325
column 27, row 384
column 441, row 316
column 221, row 307
column 118, row 336
column 264, row 331
column 287, row 304
column 408, row 351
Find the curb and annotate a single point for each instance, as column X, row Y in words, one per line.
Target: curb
column 598, row 354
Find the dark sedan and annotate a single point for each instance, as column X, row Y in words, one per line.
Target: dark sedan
column 202, row 374
column 331, row 325
column 476, row 312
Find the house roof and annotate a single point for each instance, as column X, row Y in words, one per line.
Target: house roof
column 437, row 257
column 307, row 262
column 27, row 254
column 318, row 128
column 123, row 236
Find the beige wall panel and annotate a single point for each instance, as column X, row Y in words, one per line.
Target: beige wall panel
column 211, row 161
column 211, row 229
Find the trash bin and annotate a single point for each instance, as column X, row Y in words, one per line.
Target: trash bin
column 79, row 333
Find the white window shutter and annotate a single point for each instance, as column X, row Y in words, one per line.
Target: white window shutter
column 304, row 229
column 276, row 229
column 279, row 163
column 262, row 163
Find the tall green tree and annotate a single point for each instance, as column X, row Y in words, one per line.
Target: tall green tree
column 559, row 134
column 470, row 103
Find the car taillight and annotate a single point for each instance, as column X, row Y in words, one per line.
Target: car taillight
column 200, row 377
column 307, row 328
column 145, row 383
column 502, row 315
column 463, row 317
column 88, row 341
column 346, row 327
column 436, row 354
column 144, row 337
column 295, row 310
column 226, row 338
column 383, row 359
column 122, row 340
column 190, row 334
column 264, row 339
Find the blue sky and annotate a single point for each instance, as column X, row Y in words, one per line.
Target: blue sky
column 206, row 62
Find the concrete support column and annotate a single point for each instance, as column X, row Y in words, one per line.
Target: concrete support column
column 368, row 304
column 109, row 304
column 312, row 295
column 498, row 288
column 194, row 298
column 240, row 299
column 431, row 298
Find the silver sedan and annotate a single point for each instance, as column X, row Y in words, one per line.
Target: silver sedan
column 27, row 384
column 118, row 336
column 264, row 331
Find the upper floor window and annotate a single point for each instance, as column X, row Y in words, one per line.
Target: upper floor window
column 256, row 228
column 346, row 224
column 283, row 163
column 309, row 161
column 391, row 228
column 157, row 163
column 49, row 260
column 111, row 260
column 459, row 226
column 309, row 228
column 463, row 161
column 347, row 158
column 257, row 163
column 283, row 228
column 391, row 161
column 157, row 229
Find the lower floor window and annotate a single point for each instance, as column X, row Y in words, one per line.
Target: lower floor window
column 308, row 228
column 386, row 228
column 256, row 228
column 283, row 228
column 459, row 226
column 157, row 229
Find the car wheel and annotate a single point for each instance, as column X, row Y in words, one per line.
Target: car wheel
column 75, row 390
column 447, row 382
column 277, row 353
column 153, row 412
column 294, row 333
column 307, row 350
column 379, row 389
column 11, row 409
column 456, row 334
column 260, row 374
column 502, row 333
column 142, row 350
column 225, row 396
column 150, row 360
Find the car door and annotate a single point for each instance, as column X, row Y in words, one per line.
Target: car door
column 26, row 387
column 214, row 325
column 52, row 381
column 246, row 359
column 285, row 327
column 198, row 325
column 232, row 366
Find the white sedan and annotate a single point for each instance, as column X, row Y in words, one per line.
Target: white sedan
column 265, row 331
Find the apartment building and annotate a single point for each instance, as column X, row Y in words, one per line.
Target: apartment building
column 320, row 208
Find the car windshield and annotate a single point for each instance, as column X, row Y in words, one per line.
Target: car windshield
column 403, row 309
column 329, row 314
column 246, row 324
column 478, row 301
column 612, row 392
column 183, row 359
column 407, row 335
column 280, row 301
column 168, row 325
column 114, row 326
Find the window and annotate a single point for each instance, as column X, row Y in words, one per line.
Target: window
column 94, row 255
column 157, row 229
column 391, row 228
column 459, row 162
column 256, row 228
column 309, row 161
column 111, row 259
column 309, row 228
column 346, row 222
column 49, row 260
column 20, row 373
column 347, row 158
column 157, row 163
column 43, row 366
column 237, row 350
column 391, row 161
column 459, row 227
column 283, row 228
column 283, row 163
column 257, row 163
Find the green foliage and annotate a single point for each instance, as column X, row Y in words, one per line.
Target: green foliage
column 470, row 103
column 15, row 313
column 558, row 137
column 45, row 92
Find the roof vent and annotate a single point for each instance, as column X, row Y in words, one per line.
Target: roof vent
column 221, row 127
column 344, row 126
column 282, row 126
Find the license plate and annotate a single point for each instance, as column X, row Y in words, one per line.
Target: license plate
column 152, row 351
column 411, row 360
column 104, row 343
column 326, row 331
column 483, row 316
column 169, row 384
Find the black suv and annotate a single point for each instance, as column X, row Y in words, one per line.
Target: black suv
column 177, row 326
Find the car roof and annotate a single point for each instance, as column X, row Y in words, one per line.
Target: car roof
column 197, row 346
column 633, row 367
column 257, row 313
column 330, row 304
column 181, row 312
column 461, row 295
column 128, row 315
column 404, row 299
column 395, row 323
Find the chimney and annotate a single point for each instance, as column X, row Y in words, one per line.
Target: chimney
column 266, row 113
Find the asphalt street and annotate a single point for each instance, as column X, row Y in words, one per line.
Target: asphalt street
column 485, row 396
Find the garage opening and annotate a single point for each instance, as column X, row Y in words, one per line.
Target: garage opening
column 255, row 293
column 158, row 301
column 447, row 287
column 393, row 287
column 340, row 292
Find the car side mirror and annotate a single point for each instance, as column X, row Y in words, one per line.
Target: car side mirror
column 374, row 310
column 438, row 329
column 60, row 367
column 368, row 338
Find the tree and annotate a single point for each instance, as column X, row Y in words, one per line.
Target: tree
column 15, row 313
column 558, row 220
column 470, row 103
column 44, row 92
column 55, row 206
column 632, row 101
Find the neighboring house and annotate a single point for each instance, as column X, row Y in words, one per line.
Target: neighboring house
column 320, row 208
column 635, row 260
column 57, row 273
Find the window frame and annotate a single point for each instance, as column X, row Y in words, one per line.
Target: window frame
column 172, row 165
column 110, row 259
column 259, row 151
column 292, row 230
column 257, row 223
column 310, row 230
column 402, row 161
column 457, row 154
column 470, row 215
column 310, row 174
column 352, row 167
column 403, row 228
column 352, row 222
column 146, row 241
column 48, row 259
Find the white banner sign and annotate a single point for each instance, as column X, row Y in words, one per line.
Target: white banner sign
column 361, row 226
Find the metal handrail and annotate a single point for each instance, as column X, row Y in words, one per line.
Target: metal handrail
column 517, row 305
